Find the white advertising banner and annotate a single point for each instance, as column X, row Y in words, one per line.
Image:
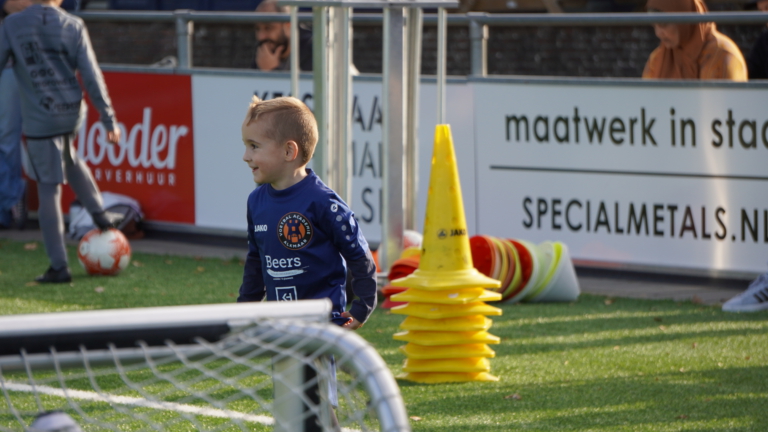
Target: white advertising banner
column 223, row 181
column 652, row 175
column 368, row 150
column 367, row 154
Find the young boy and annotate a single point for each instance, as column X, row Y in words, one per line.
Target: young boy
column 302, row 237
column 48, row 47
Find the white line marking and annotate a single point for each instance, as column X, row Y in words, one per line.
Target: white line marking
column 124, row 400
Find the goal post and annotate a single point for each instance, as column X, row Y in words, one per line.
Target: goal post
column 250, row 366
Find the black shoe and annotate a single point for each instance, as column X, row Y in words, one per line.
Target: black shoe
column 102, row 221
column 51, row 275
column 7, row 219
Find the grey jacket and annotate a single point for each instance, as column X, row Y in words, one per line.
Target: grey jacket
column 48, row 46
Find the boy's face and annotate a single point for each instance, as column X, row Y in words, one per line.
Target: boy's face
column 264, row 156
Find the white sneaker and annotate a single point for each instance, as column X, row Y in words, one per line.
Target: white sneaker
column 754, row 299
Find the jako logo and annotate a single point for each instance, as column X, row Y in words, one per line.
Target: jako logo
column 453, row 233
column 144, row 146
column 260, row 228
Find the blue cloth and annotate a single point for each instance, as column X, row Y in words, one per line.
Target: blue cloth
column 301, row 241
column 11, row 183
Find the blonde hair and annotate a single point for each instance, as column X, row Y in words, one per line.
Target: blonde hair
column 287, row 119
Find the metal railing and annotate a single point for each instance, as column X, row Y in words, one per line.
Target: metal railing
column 478, row 23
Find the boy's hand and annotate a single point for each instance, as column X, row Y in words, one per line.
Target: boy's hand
column 352, row 323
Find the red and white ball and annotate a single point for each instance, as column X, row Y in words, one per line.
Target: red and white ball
column 412, row 238
column 104, row 253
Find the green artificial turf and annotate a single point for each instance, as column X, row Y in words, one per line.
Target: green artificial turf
column 150, row 280
column 604, row 365
column 594, row 365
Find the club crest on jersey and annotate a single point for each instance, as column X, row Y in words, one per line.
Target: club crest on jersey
column 294, row 231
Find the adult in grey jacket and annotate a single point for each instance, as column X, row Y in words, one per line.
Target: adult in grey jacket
column 48, row 46
column 12, row 185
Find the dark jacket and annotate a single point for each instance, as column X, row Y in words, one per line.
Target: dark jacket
column 757, row 60
column 302, row 241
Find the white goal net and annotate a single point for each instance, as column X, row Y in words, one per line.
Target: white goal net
column 254, row 366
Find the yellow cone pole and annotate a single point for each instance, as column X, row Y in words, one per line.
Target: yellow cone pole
column 446, row 259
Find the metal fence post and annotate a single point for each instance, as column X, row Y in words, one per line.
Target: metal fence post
column 321, row 160
column 295, row 67
column 343, row 106
column 442, row 60
column 478, row 35
column 185, row 28
column 414, row 27
column 393, row 134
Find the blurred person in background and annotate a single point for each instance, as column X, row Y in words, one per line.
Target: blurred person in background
column 755, row 298
column 692, row 51
column 757, row 60
column 52, row 49
column 610, row 6
column 74, row 5
column 12, row 185
column 273, row 49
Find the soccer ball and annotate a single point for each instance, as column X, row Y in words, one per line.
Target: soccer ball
column 104, row 253
column 412, row 239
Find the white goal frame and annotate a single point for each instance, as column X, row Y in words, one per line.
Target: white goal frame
column 58, row 341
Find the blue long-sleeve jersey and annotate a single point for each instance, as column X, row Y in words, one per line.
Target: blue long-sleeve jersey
column 301, row 241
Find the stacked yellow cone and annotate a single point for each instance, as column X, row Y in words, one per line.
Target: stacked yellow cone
column 447, row 325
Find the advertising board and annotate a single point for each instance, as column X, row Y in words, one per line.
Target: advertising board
column 223, row 181
column 154, row 160
column 626, row 172
column 655, row 175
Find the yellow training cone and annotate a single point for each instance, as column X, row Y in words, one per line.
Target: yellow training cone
column 433, row 338
column 458, row 296
column 446, row 259
column 438, row 311
column 480, row 364
column 463, row 323
column 423, row 352
column 446, row 377
column 412, row 251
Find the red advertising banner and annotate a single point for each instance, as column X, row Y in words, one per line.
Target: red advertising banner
column 154, row 161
